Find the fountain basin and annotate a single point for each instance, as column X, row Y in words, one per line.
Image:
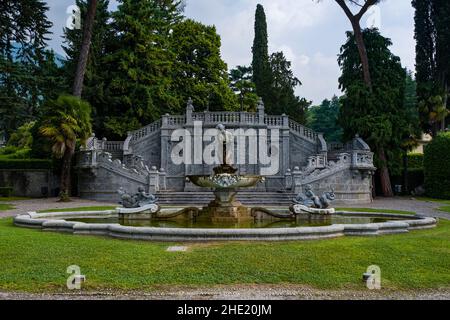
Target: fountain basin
column 61, row 222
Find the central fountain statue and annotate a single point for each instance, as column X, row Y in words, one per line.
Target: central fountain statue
column 225, row 182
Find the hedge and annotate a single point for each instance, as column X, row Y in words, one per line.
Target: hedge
column 415, row 160
column 26, row 164
column 437, row 167
column 6, row 191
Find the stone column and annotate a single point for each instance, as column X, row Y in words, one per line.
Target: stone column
column 297, row 180
column 288, row 179
column 162, row 179
column 165, row 141
column 153, row 180
column 285, row 152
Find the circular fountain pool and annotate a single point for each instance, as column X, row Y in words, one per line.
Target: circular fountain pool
column 108, row 223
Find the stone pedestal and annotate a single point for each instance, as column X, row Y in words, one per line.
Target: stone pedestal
column 224, row 208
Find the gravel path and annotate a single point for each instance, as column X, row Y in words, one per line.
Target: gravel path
column 426, row 208
column 256, row 292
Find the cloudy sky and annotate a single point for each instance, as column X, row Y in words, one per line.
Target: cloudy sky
column 309, row 32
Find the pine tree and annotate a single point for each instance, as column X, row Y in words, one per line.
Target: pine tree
column 139, row 87
column 242, row 85
column 260, row 50
column 24, row 28
column 198, row 71
column 281, row 98
column 378, row 115
column 324, row 118
column 88, row 26
column 96, row 75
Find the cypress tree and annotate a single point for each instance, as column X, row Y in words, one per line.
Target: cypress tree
column 432, row 34
column 260, row 63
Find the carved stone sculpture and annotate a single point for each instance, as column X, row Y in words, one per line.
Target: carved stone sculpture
column 140, row 199
column 310, row 200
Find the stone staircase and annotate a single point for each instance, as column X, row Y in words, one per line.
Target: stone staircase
column 247, row 198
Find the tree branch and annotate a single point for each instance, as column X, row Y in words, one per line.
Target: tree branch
column 346, row 9
column 365, row 7
column 359, row 15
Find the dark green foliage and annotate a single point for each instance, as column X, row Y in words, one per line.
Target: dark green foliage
column 415, row 161
column 432, row 34
column 26, row 164
column 437, row 168
column 379, row 115
column 274, row 80
column 6, row 191
column 324, row 118
column 415, row 177
column 260, row 64
column 28, row 73
column 96, row 76
column 244, row 87
column 282, row 98
column 139, row 88
column 198, row 71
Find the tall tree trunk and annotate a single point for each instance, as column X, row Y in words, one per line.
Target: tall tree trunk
column 386, row 187
column 65, row 175
column 362, row 54
column 355, row 20
column 85, row 47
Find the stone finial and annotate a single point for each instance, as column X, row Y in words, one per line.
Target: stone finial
column 260, row 104
column 190, row 104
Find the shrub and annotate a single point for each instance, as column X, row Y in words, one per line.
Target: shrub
column 25, row 164
column 437, row 167
column 415, row 160
column 8, row 150
column 6, row 191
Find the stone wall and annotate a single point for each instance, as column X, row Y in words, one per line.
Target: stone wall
column 304, row 157
column 30, row 183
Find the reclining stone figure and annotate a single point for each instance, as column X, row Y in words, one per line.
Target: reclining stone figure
column 309, row 199
column 140, row 199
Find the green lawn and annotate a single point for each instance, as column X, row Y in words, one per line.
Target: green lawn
column 370, row 210
column 6, row 206
column 445, row 209
column 98, row 208
column 32, row 260
column 433, row 200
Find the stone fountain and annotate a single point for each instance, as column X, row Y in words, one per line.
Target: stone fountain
column 225, row 183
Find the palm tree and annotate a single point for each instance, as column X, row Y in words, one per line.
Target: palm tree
column 67, row 120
